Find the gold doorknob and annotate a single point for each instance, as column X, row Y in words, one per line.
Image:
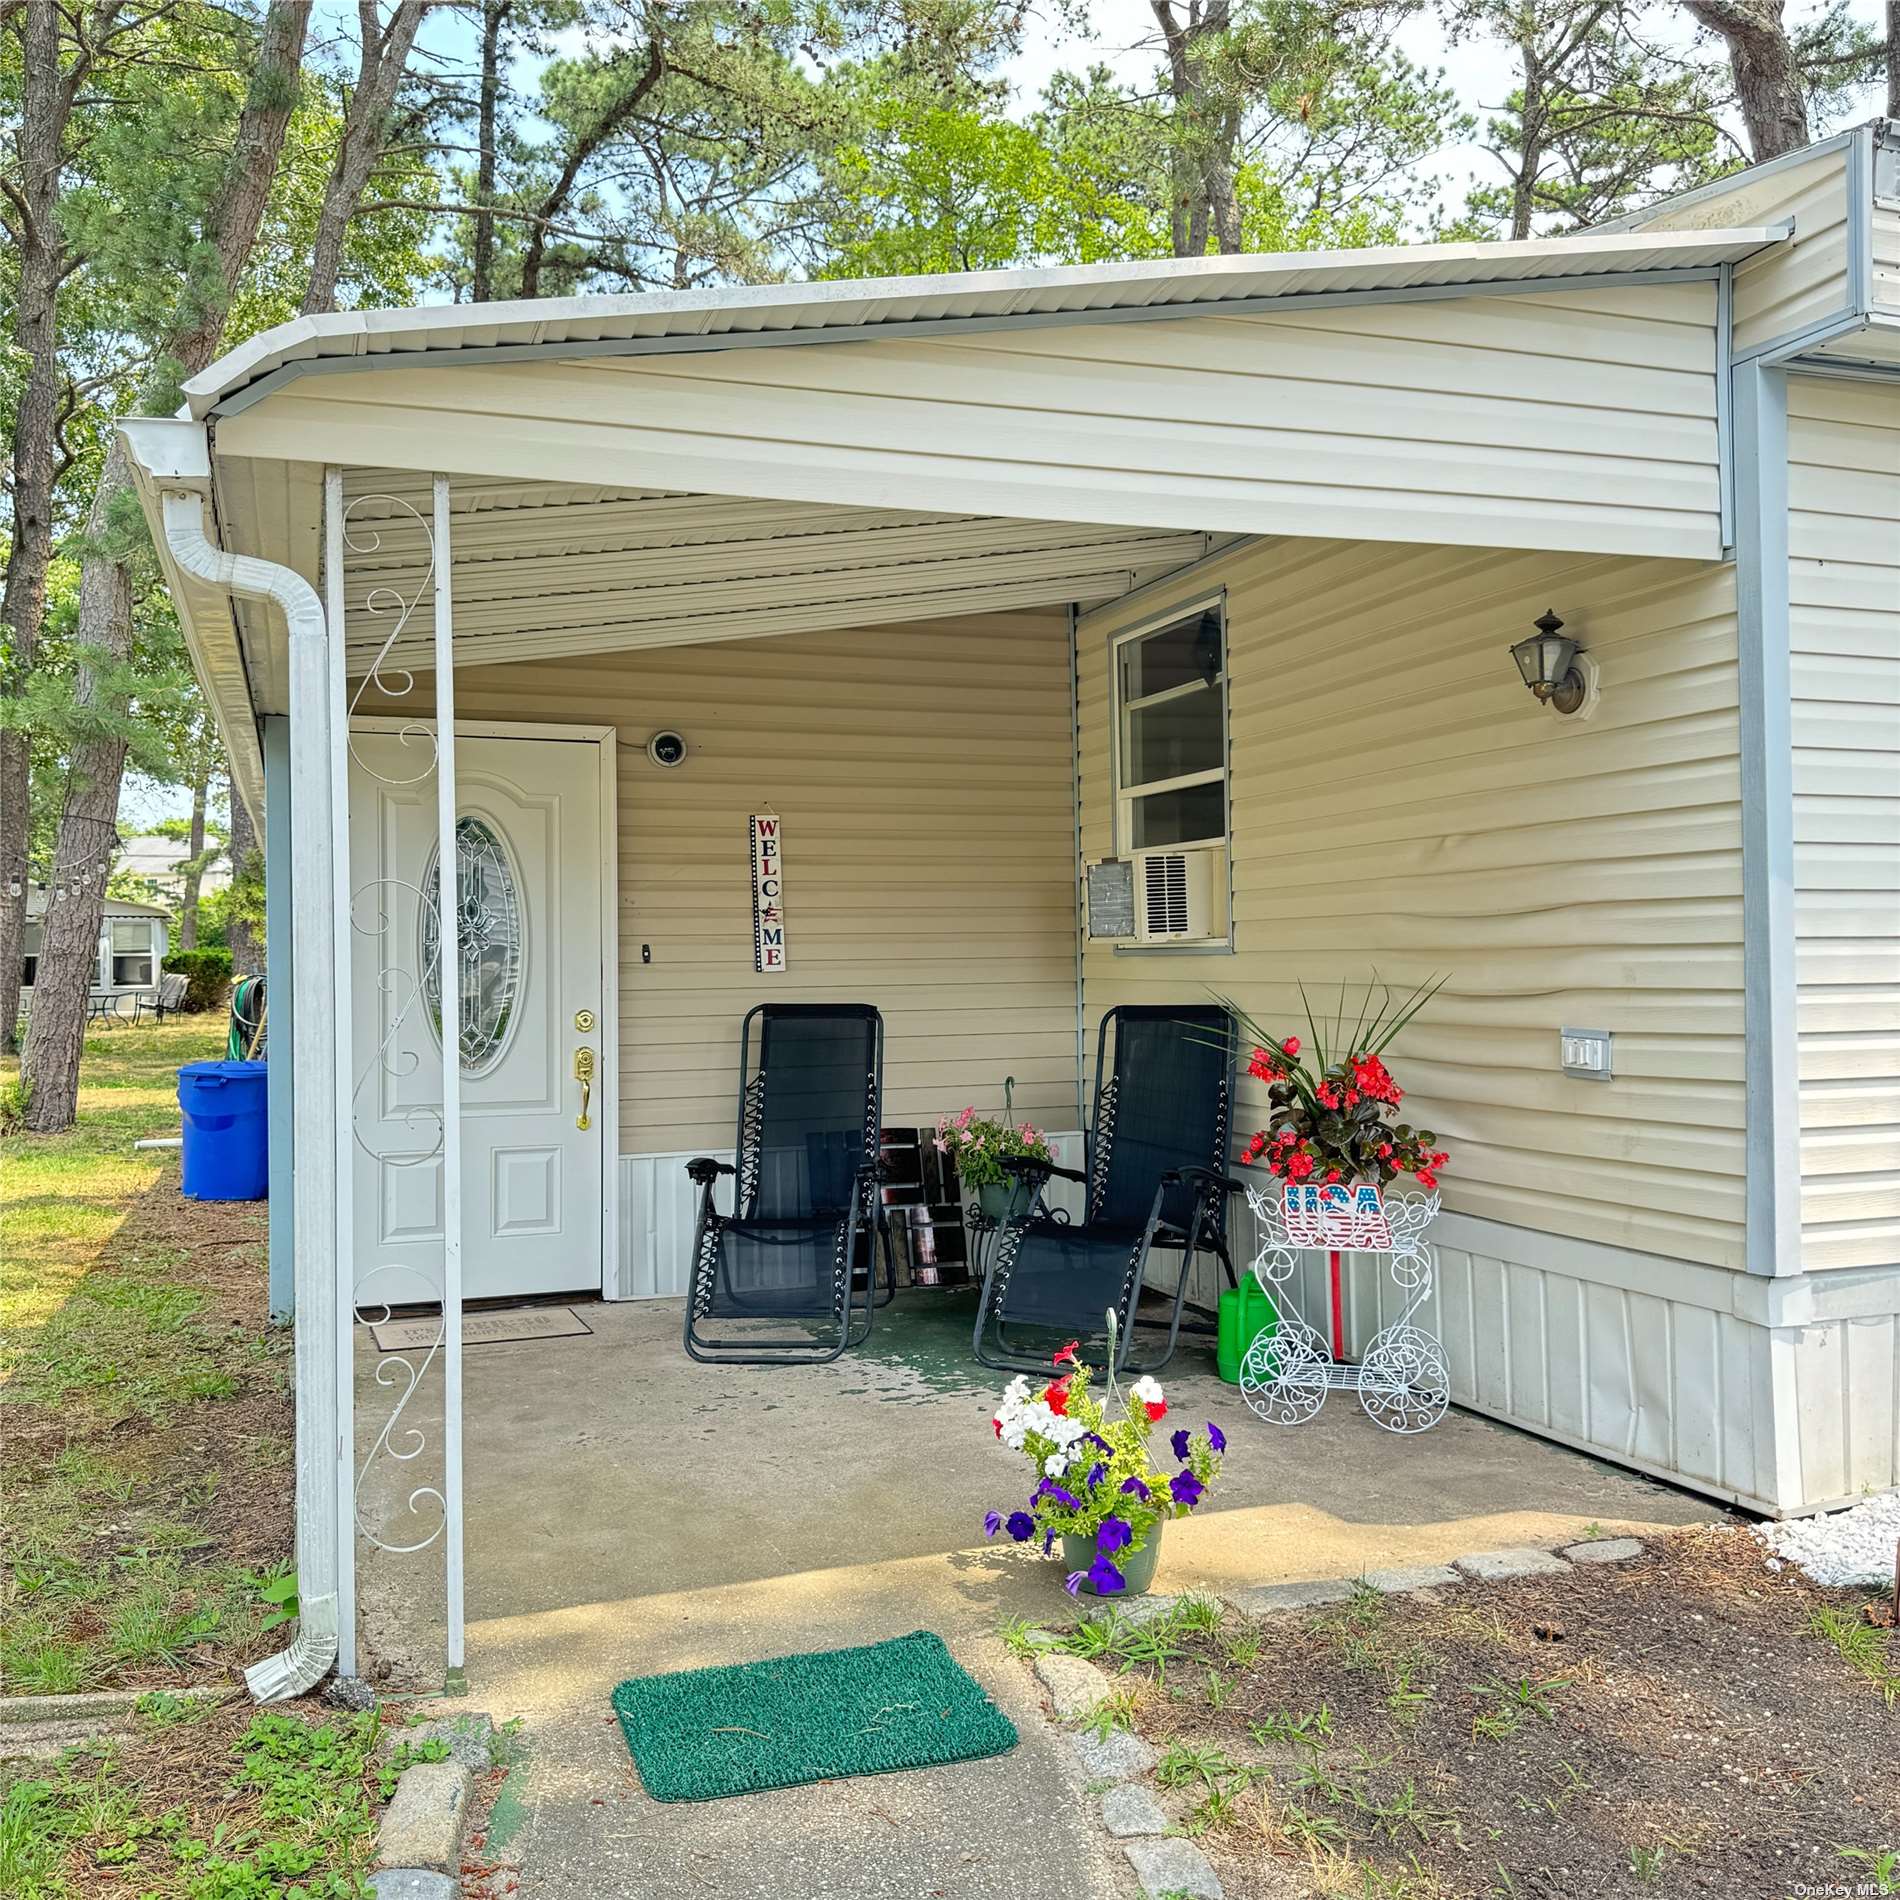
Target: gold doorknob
column 584, row 1075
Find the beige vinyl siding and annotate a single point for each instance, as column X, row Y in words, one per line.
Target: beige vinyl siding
column 1576, row 418
column 923, row 776
column 1886, row 256
column 1844, row 546
column 1400, row 802
column 1792, row 285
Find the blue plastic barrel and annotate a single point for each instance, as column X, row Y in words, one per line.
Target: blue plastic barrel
column 227, row 1136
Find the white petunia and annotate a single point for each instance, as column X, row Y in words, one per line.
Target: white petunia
column 1054, row 1466
column 1148, row 1390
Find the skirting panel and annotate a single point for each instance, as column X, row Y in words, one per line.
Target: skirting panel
column 1777, row 1395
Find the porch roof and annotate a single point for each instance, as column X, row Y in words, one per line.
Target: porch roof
column 675, row 321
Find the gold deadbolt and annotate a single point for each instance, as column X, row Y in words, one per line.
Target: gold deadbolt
column 584, row 1021
column 584, row 1075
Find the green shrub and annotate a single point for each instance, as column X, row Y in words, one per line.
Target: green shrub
column 209, row 971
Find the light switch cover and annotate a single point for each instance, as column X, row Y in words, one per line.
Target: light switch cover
column 1585, row 1053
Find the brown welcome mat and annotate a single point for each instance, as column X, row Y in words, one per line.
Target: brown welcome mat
column 481, row 1329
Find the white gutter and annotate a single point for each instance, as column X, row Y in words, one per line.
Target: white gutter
column 320, row 1558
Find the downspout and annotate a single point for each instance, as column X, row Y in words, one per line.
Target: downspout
column 312, row 1654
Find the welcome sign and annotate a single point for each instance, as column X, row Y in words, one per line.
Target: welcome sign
column 768, row 894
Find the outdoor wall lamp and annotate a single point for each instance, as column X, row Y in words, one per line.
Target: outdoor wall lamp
column 1547, row 662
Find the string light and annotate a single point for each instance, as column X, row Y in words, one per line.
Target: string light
column 73, row 880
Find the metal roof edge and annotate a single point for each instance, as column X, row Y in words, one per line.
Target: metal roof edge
column 1635, row 221
column 343, row 340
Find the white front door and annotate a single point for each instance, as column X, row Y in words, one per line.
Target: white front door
column 528, row 829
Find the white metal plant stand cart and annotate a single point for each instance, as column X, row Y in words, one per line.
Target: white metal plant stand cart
column 1403, row 1379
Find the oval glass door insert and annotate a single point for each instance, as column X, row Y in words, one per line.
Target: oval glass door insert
column 491, row 938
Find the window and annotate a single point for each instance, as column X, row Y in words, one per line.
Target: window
column 1171, row 734
column 488, row 923
column 30, row 954
column 131, row 940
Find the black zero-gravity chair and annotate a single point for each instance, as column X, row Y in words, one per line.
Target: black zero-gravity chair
column 805, row 1189
column 1156, row 1177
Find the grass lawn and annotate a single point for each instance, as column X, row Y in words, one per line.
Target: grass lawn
column 145, row 1491
column 145, row 1455
column 1688, row 1722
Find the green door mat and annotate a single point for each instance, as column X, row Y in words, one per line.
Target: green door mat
column 704, row 1733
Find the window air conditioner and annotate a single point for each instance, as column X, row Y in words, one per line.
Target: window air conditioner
column 1179, row 895
column 1159, row 896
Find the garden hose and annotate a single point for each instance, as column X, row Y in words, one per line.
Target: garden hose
column 246, row 1041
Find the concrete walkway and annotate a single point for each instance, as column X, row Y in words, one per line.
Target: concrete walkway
column 631, row 1512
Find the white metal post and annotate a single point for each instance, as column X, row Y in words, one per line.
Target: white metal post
column 343, row 1060
column 448, row 902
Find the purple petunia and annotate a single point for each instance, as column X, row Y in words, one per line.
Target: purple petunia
column 1180, row 1443
column 1113, row 1536
column 1048, row 1542
column 1106, row 1578
column 1216, row 1437
column 1096, row 1439
column 1186, row 1488
column 1048, row 1488
column 1136, row 1489
column 992, row 1523
column 1097, row 1472
column 1073, row 1581
column 1021, row 1526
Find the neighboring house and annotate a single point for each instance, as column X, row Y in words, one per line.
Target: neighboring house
column 160, row 862
column 132, row 944
column 1208, row 568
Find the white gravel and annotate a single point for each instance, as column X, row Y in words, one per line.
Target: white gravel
column 1843, row 1547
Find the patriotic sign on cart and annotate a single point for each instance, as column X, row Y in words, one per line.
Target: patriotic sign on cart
column 768, row 894
column 1340, row 1218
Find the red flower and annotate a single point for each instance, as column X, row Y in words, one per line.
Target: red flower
column 1156, row 1408
column 1426, row 1178
column 1291, row 1046
column 1332, row 1174
column 997, row 1421
column 1066, row 1355
column 1056, row 1396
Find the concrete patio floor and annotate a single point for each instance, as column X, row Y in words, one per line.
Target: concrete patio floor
column 630, row 1512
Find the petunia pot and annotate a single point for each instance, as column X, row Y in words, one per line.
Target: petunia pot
column 1137, row 1567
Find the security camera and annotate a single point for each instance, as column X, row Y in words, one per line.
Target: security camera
column 666, row 748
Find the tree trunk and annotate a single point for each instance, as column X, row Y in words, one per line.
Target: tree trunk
column 494, row 23
column 1530, row 154
column 69, row 948
column 1202, row 161
column 1768, row 85
column 1893, row 59
column 87, row 827
column 40, row 249
column 247, row 868
column 248, row 176
column 194, row 868
column 380, row 67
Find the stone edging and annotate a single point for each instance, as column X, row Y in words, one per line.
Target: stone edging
column 1165, row 1863
column 419, row 1839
